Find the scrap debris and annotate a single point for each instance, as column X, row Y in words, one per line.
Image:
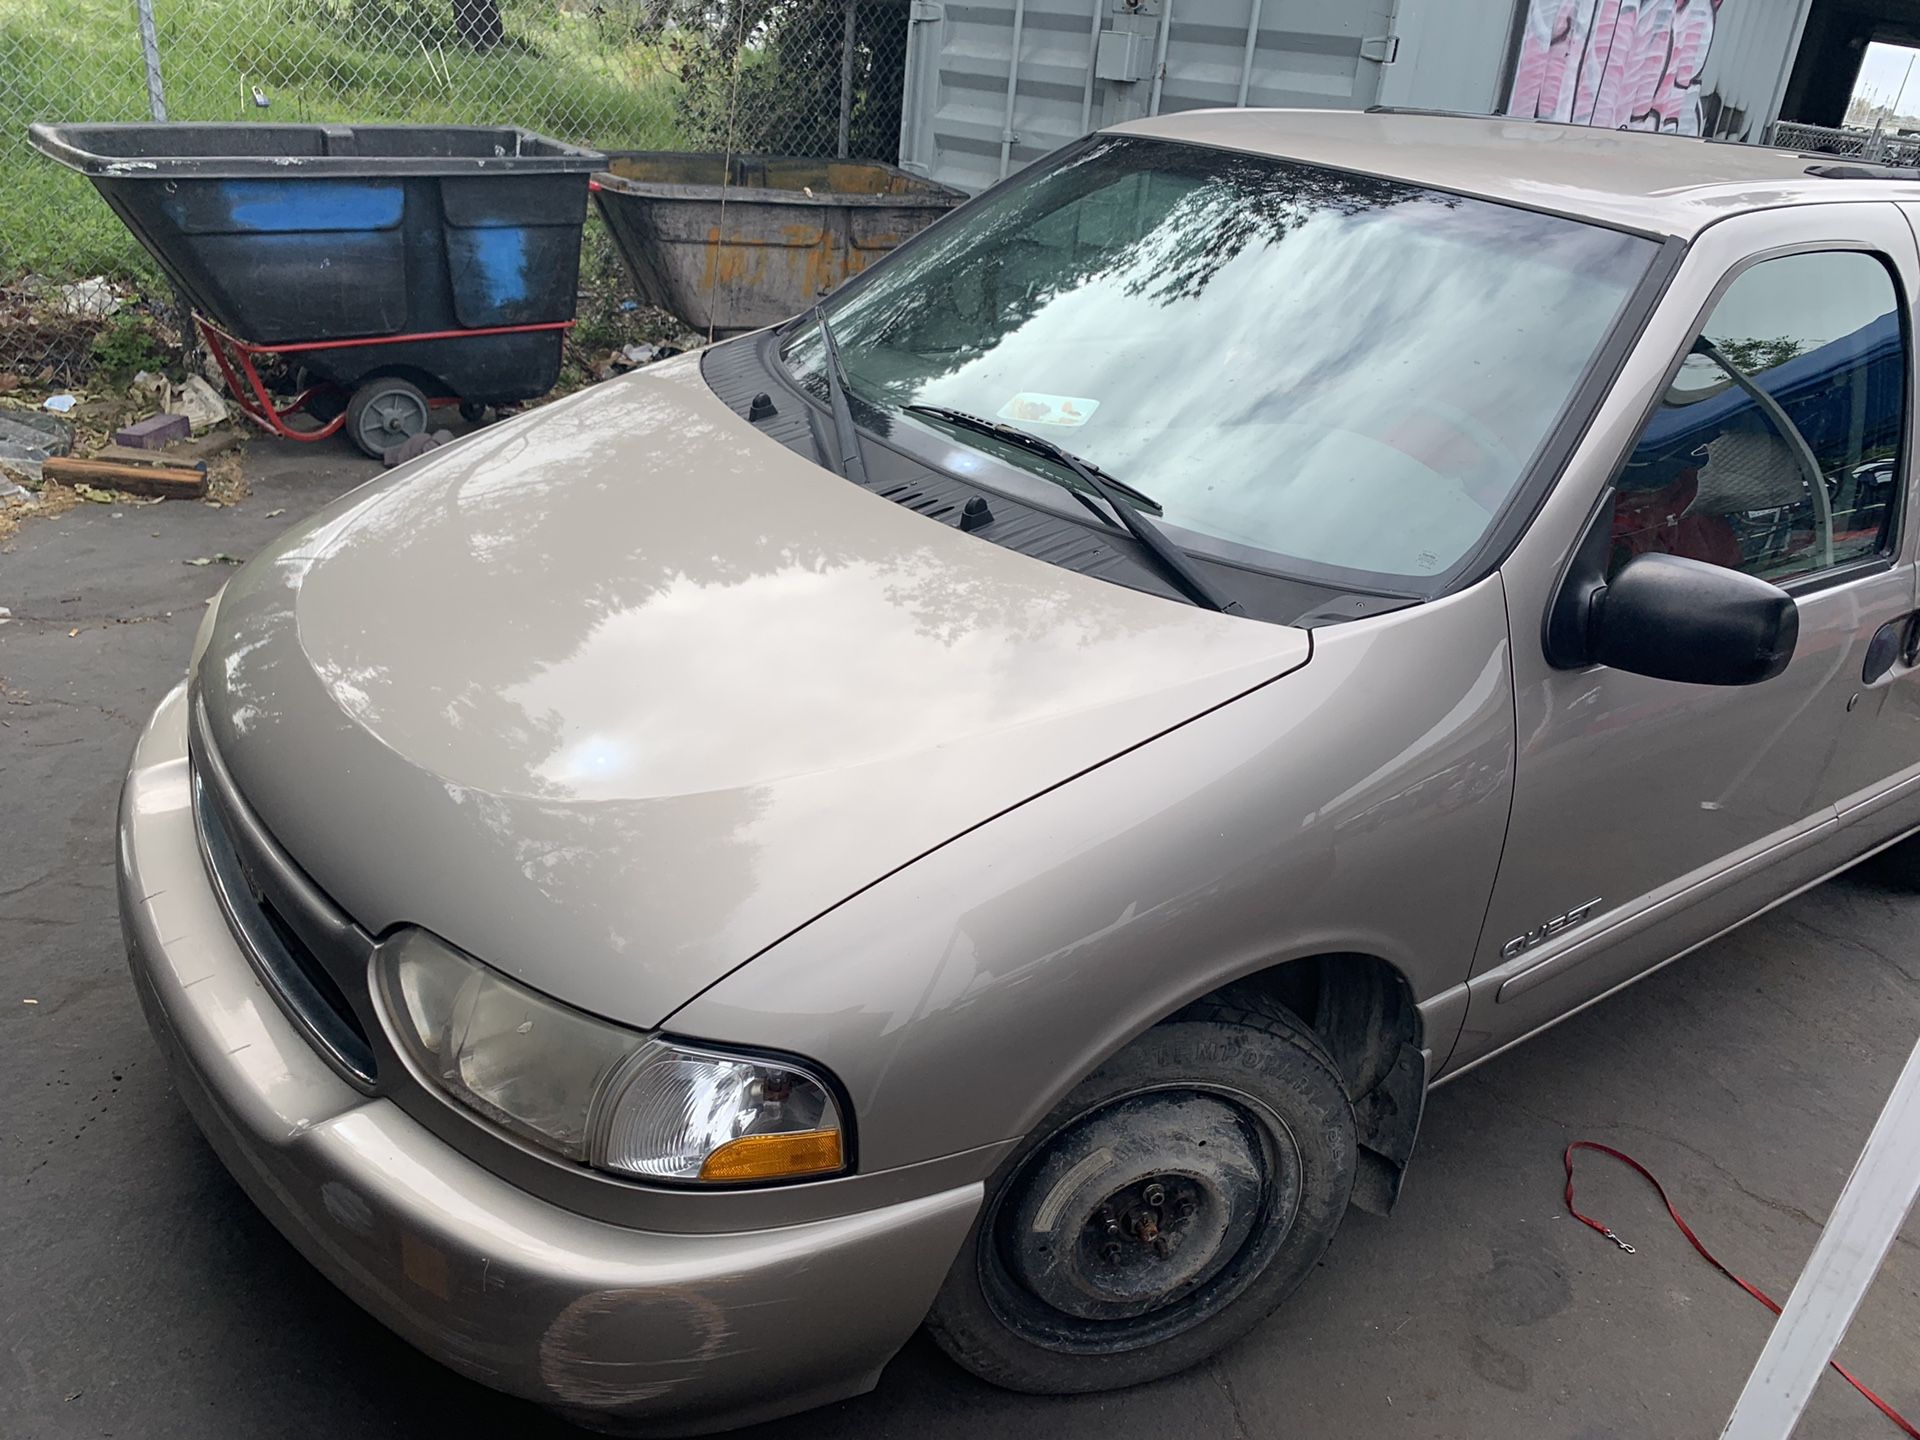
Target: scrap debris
column 633, row 357
column 27, row 441
column 156, row 441
column 93, row 297
column 414, row 446
column 159, row 440
column 203, row 406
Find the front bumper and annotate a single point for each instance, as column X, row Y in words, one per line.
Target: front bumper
column 656, row 1332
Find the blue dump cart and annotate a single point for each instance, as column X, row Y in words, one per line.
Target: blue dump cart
column 397, row 266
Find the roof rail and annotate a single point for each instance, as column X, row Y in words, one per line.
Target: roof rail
column 1864, row 172
column 1444, row 114
column 1542, row 120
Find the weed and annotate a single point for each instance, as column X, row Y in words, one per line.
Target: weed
column 126, row 347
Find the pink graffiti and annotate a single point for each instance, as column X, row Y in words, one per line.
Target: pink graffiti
column 1617, row 64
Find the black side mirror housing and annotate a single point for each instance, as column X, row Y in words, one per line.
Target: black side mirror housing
column 1665, row 616
column 1677, row 619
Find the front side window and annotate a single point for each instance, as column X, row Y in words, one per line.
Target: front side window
column 1308, row 370
column 1777, row 447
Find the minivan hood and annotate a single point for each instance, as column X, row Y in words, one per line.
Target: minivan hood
column 615, row 695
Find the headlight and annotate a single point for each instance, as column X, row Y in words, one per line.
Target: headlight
column 204, row 635
column 599, row 1093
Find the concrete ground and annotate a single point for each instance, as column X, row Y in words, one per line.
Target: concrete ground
column 142, row 1295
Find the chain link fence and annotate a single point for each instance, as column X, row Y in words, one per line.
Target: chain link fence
column 1873, row 146
column 810, row 78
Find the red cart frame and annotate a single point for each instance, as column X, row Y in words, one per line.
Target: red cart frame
column 235, row 357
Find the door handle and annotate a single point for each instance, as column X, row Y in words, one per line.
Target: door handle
column 1896, row 641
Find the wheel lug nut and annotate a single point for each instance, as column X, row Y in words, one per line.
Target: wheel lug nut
column 1110, row 1252
column 1186, row 1209
column 1156, row 1194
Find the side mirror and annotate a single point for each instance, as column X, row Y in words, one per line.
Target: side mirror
column 1679, row 619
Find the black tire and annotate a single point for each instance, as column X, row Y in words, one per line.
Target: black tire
column 386, row 412
column 329, row 400
column 327, row 404
column 1045, row 1300
column 472, row 411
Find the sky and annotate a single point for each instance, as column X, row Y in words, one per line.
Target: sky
column 1881, row 74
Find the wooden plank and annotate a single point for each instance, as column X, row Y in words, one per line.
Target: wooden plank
column 172, row 481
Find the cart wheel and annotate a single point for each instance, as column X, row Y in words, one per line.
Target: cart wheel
column 472, row 411
column 385, row 412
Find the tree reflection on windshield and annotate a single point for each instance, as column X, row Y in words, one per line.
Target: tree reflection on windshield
column 1251, row 201
column 1346, row 371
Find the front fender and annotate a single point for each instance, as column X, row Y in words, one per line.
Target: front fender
column 1356, row 805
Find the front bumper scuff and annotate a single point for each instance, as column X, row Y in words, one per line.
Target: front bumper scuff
column 655, row 1332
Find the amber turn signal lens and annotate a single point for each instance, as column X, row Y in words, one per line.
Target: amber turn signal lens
column 770, row 1157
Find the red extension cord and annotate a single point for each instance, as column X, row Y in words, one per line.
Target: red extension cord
column 1906, row 1426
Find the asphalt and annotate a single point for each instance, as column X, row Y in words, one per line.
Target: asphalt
column 142, row 1295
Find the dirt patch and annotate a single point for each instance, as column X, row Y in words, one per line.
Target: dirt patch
column 51, row 499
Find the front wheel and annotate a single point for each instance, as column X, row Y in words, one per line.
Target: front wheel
column 1164, row 1208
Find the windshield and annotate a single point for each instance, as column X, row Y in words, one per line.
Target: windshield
column 1308, row 369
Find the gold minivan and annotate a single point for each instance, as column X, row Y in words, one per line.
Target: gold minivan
column 993, row 803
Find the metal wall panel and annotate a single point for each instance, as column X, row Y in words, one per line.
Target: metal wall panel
column 959, row 129
column 1453, row 55
column 1697, row 67
column 1745, row 74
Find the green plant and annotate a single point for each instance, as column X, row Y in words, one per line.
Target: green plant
column 782, row 94
column 126, row 347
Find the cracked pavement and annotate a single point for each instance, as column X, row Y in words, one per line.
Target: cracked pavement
column 141, row 1294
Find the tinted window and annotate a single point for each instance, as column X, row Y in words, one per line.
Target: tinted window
column 1306, row 368
column 1777, row 450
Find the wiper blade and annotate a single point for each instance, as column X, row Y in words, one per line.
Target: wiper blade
column 1123, row 499
column 850, row 463
column 1027, row 440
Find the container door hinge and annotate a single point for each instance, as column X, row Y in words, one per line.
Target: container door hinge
column 1381, row 49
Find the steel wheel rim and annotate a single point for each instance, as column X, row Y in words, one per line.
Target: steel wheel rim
column 1023, row 1308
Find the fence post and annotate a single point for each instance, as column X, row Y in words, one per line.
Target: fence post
column 150, row 52
column 846, row 75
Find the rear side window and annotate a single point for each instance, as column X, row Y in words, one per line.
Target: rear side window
column 1778, row 447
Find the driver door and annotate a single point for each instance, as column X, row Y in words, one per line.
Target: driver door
column 1762, row 424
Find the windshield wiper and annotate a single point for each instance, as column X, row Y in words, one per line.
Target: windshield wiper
column 1027, row 440
column 850, row 463
column 1123, row 499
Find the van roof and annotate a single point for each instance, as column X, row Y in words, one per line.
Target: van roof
column 1658, row 184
